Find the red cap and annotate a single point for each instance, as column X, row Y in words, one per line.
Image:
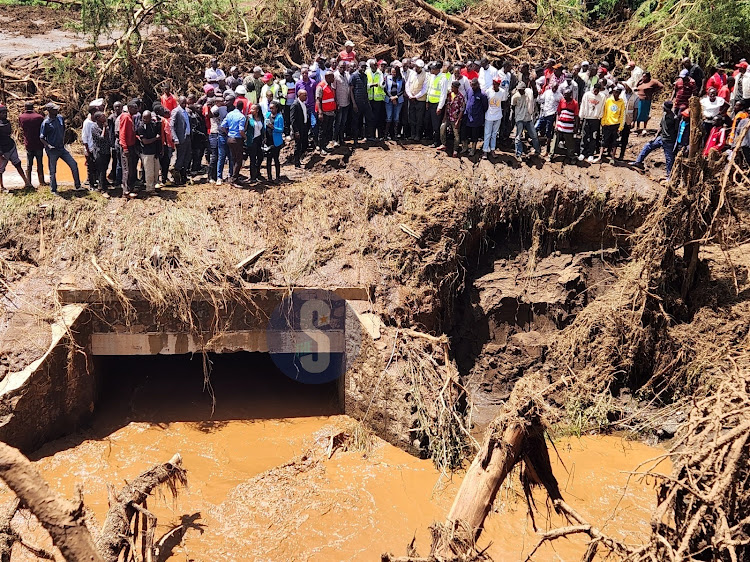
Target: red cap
column 685, row 113
column 497, row 80
column 602, row 69
column 381, row 61
column 741, row 65
column 268, row 77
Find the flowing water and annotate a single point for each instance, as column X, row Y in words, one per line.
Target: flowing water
column 247, row 500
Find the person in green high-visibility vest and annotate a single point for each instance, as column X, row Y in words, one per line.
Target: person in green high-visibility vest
column 376, row 96
column 436, row 92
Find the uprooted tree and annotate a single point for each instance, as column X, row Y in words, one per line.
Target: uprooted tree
column 129, row 528
column 139, row 45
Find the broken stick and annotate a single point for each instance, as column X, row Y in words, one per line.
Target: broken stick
column 249, row 260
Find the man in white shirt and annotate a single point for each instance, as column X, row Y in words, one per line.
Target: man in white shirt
column 88, row 141
column 463, row 82
column 523, row 102
column 711, row 106
column 416, row 90
column 487, row 74
column 590, row 114
column 215, row 76
column 548, row 102
column 636, row 73
column 585, row 73
column 496, row 95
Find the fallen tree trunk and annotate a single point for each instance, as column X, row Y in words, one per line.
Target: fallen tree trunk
column 517, row 435
column 130, row 501
column 510, row 439
column 63, row 519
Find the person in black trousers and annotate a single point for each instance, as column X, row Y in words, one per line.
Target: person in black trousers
column 300, row 126
column 255, row 132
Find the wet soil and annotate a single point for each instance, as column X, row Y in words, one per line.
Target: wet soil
column 37, row 29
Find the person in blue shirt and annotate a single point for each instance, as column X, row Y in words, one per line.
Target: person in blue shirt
column 275, row 138
column 52, row 135
column 476, row 107
column 234, row 126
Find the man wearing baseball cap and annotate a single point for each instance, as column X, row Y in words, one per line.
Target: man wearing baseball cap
column 349, row 55
column 742, row 82
column 52, row 135
column 496, row 96
column 8, row 151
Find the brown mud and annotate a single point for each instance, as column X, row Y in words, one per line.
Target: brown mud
column 263, row 487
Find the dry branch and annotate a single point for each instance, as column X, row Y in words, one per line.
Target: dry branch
column 129, row 502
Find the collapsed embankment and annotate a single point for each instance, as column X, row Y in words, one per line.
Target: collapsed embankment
column 411, row 224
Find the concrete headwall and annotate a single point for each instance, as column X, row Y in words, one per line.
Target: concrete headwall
column 54, row 395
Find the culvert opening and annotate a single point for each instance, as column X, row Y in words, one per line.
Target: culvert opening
column 171, row 388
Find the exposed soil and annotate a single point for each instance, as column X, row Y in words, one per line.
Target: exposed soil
column 347, row 209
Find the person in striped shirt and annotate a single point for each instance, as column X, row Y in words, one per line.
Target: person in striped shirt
column 565, row 126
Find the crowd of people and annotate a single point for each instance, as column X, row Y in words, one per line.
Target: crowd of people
column 582, row 113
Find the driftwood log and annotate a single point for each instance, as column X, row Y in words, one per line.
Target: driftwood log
column 515, row 436
column 130, row 503
column 128, row 522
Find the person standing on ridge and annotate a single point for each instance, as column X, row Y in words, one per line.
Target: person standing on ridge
column 8, row 151
column 31, row 123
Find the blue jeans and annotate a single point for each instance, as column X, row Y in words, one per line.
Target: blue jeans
column 546, row 125
column 55, row 154
column 393, row 112
column 224, row 154
column 653, row 145
column 520, row 127
column 491, row 129
column 213, row 144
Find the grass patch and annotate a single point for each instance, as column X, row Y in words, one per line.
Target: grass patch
column 451, row 6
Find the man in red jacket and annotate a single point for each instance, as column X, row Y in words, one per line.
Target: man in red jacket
column 325, row 106
column 129, row 152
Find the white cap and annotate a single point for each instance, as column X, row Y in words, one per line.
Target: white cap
column 257, row 69
column 349, row 44
column 233, row 69
column 371, row 61
column 419, row 63
column 585, row 63
column 240, row 90
column 98, row 102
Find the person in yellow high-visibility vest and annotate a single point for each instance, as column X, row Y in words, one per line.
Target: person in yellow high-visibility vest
column 436, row 92
column 376, row 95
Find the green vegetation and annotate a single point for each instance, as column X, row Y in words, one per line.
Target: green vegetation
column 451, row 6
column 705, row 30
column 584, row 414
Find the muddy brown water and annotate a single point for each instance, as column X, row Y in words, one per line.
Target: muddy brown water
column 353, row 506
